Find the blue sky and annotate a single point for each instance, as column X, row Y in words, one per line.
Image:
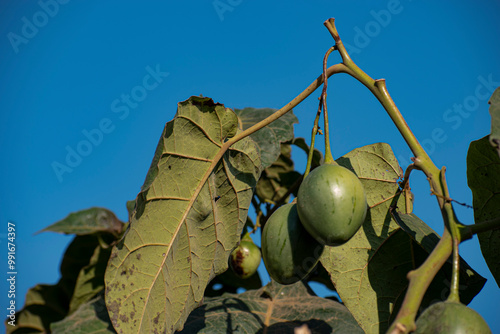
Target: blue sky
column 68, row 68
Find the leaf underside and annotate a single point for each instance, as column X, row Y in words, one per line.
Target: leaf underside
column 369, row 276
column 483, row 178
column 273, row 308
column 185, row 224
column 87, row 222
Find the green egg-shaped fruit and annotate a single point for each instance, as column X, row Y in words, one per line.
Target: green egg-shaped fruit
column 289, row 252
column 451, row 318
column 331, row 203
column 245, row 259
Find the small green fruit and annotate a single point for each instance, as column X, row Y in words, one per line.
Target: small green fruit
column 245, row 259
column 451, row 318
column 331, row 203
column 289, row 252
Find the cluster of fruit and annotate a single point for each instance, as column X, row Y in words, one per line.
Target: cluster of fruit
column 330, row 208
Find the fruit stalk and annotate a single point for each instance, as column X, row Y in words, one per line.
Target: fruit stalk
column 322, row 104
column 328, row 151
column 314, row 132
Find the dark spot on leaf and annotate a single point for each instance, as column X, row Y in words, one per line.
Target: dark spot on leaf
column 123, row 272
column 155, row 319
column 123, row 318
column 266, row 295
column 113, row 309
column 138, row 256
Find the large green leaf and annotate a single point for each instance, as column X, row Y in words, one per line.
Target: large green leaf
column 495, row 119
column 483, row 178
column 184, row 226
column 91, row 317
column 274, row 308
column 369, row 271
column 87, row 222
column 268, row 138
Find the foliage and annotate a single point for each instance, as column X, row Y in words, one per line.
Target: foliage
column 166, row 270
column 278, row 308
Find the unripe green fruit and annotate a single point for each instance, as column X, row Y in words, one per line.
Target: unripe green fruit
column 451, row 318
column 331, row 203
column 289, row 252
column 245, row 259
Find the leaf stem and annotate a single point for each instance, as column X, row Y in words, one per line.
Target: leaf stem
column 419, row 279
column 467, row 231
column 405, row 187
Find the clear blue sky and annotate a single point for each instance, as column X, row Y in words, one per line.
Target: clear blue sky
column 70, row 67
